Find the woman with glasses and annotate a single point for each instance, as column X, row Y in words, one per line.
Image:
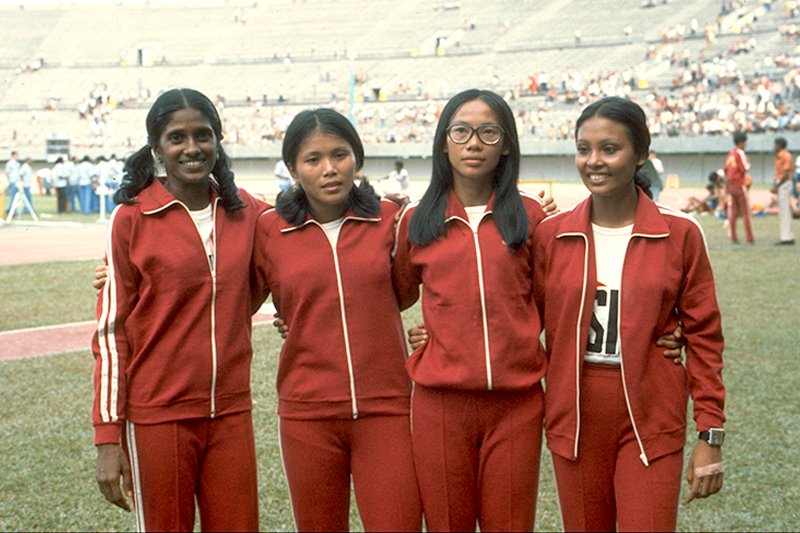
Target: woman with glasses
column 477, row 403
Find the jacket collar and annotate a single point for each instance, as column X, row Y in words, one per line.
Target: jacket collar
column 648, row 221
column 155, row 198
column 455, row 209
column 348, row 215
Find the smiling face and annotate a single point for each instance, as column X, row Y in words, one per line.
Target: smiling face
column 474, row 160
column 325, row 168
column 188, row 148
column 605, row 157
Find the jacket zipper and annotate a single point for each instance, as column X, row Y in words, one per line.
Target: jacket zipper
column 212, row 264
column 482, row 290
column 642, row 455
column 353, row 404
column 578, row 354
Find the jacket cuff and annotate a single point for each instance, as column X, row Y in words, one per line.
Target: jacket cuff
column 707, row 422
column 107, row 434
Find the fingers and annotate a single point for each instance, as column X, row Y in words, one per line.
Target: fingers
column 111, row 461
column 127, row 481
column 705, row 486
column 417, row 336
column 694, row 486
column 109, row 486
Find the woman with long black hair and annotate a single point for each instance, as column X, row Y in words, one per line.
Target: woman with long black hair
column 172, row 401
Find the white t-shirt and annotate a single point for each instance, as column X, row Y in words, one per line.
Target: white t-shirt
column 204, row 221
column 332, row 230
column 474, row 214
column 399, row 179
column 610, row 245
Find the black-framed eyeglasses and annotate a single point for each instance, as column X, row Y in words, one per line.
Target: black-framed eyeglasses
column 461, row 133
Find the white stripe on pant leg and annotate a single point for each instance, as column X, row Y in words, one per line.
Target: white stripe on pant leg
column 286, row 477
column 133, row 453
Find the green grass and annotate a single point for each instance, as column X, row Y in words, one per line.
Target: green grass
column 43, row 294
column 47, row 467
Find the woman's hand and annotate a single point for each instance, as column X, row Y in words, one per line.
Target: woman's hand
column 400, row 199
column 111, row 463
column 674, row 345
column 417, row 336
column 549, row 205
column 705, row 484
column 100, row 277
column 280, row 325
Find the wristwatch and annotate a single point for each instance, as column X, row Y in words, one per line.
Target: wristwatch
column 713, row 436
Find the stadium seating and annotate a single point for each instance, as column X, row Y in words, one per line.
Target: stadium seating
column 54, row 57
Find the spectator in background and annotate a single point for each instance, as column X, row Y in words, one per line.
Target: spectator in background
column 84, row 184
column 72, row 185
column 12, row 175
column 736, row 172
column 782, row 186
column 61, row 174
column 650, row 170
column 398, row 178
column 43, row 177
column 284, row 177
column 25, row 179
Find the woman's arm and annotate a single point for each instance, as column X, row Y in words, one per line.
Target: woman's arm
column 700, row 316
column 111, row 350
column 405, row 277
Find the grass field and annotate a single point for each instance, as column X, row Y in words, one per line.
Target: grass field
column 47, row 466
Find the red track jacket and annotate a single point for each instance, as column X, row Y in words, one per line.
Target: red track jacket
column 477, row 303
column 173, row 337
column 666, row 277
column 345, row 352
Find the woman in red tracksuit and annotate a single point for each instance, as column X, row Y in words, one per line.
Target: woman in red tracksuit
column 610, row 275
column 324, row 253
column 172, row 401
column 477, row 401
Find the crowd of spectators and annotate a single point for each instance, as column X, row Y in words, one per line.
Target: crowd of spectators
column 699, row 90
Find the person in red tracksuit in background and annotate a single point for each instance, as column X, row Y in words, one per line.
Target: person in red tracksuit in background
column 610, row 275
column 324, row 253
column 172, row 404
column 477, row 401
column 736, row 168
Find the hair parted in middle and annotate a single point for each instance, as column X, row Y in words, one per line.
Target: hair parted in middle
column 428, row 220
column 139, row 171
column 292, row 204
column 630, row 116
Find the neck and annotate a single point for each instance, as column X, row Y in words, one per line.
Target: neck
column 195, row 196
column 615, row 211
column 327, row 213
column 473, row 192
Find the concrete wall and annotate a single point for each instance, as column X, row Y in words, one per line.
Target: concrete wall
column 691, row 158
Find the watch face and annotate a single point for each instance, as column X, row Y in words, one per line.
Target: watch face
column 715, row 437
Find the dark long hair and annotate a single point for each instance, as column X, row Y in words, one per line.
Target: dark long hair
column 292, row 204
column 428, row 221
column 139, row 172
column 631, row 117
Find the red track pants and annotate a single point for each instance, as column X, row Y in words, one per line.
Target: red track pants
column 477, row 455
column 609, row 485
column 739, row 205
column 319, row 457
column 210, row 459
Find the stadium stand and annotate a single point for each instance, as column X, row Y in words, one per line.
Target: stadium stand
column 92, row 71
